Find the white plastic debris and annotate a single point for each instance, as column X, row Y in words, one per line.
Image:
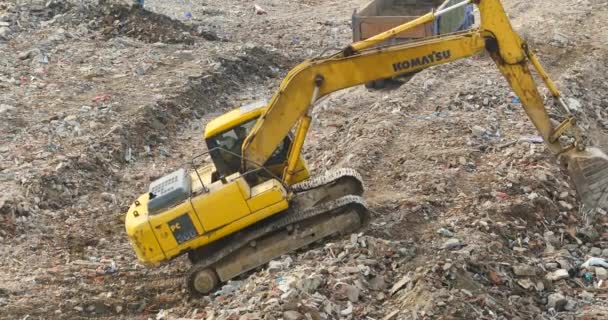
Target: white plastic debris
column 348, row 310
column 259, row 10
column 595, row 262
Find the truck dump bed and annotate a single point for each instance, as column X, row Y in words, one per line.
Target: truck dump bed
column 381, row 15
column 378, row 16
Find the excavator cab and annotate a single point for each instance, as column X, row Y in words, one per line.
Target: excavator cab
column 186, row 210
column 225, row 135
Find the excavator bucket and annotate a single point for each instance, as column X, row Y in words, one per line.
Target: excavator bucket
column 589, row 171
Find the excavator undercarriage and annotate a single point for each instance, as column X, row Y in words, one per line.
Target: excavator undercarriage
column 327, row 205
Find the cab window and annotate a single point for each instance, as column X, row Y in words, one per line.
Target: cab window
column 227, row 158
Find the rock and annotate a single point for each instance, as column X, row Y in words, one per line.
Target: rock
column 25, row 55
column 445, row 233
column 557, row 301
column 5, row 108
column 292, row 315
column 519, row 249
column 407, row 252
column 400, row 284
column 391, row 315
column 524, row 270
column 570, row 305
column 604, row 253
column 4, row 33
column 551, row 266
column 348, row 310
column 352, row 293
column 574, row 104
column 207, row 34
column 595, row 252
column 108, row 197
column 587, row 296
column 259, row 10
column 589, row 233
column 525, row 283
column 59, row 35
column 495, row 278
column 350, row 269
column 566, row 205
column 286, row 284
column 71, row 117
column 228, row 288
column 540, row 286
column 558, row 275
column 274, row 266
column 601, row 273
column 289, row 295
column 98, row 307
column 564, row 263
column 478, row 131
column 354, row 238
column 551, row 238
column 452, row 244
column 310, row 284
column 377, row 283
column 560, row 40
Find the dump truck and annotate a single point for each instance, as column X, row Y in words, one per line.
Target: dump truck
column 378, row 16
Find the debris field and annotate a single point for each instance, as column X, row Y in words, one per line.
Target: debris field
column 472, row 217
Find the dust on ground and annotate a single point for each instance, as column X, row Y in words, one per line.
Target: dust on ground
column 472, row 217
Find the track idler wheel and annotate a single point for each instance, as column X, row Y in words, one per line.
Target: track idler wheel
column 202, row 281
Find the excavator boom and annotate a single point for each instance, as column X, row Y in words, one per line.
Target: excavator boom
column 360, row 63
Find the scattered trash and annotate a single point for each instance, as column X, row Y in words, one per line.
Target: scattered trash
column 452, row 244
column 348, row 311
column 445, row 232
column 101, row 98
column 558, row 275
column 431, row 116
column 83, row 133
column 259, row 10
column 595, row 262
column 535, row 139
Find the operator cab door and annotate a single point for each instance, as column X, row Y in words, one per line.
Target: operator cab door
column 228, row 147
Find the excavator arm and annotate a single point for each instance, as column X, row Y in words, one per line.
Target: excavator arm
column 360, row 63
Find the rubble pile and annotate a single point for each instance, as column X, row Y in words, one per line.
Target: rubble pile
column 472, row 217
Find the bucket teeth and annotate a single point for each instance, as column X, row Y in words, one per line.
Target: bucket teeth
column 590, row 175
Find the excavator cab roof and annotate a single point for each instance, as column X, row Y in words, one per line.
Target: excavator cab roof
column 234, row 118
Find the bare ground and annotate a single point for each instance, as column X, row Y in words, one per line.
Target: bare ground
column 101, row 99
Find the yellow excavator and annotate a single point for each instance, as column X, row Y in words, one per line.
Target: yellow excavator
column 257, row 200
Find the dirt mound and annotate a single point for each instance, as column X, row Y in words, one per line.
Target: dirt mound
column 472, row 217
column 150, row 126
column 141, row 24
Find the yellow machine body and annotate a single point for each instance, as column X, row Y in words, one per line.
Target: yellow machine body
column 216, row 208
